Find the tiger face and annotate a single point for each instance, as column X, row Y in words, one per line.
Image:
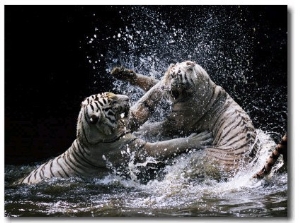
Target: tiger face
column 106, row 108
column 102, row 115
column 182, row 79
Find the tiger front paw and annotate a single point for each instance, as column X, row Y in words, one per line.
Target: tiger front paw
column 123, row 74
column 202, row 139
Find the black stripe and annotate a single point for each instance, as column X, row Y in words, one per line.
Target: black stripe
column 29, row 177
column 212, row 96
column 51, row 164
column 83, row 132
column 111, row 113
column 68, row 158
column 79, row 147
column 79, row 161
column 228, row 140
column 106, row 109
column 237, row 140
column 217, row 107
column 92, row 107
column 86, row 160
column 111, row 119
column 191, row 79
column 86, row 117
column 220, row 111
column 82, row 155
column 243, row 145
column 103, row 140
column 229, row 129
column 81, row 158
column 228, row 157
column 179, row 77
column 218, row 127
column 35, row 172
column 59, row 174
column 62, row 167
column 97, row 104
column 42, row 175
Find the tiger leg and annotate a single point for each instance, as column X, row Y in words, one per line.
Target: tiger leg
column 281, row 148
column 144, row 107
column 170, row 148
column 142, row 81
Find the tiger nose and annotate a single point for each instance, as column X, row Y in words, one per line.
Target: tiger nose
column 123, row 97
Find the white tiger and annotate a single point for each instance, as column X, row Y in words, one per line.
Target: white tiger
column 198, row 105
column 103, row 138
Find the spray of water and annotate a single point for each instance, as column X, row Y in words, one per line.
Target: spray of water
column 218, row 38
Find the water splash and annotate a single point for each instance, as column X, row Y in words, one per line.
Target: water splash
column 222, row 39
column 180, row 192
column 182, row 178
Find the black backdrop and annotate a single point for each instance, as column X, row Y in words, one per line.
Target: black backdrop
column 47, row 74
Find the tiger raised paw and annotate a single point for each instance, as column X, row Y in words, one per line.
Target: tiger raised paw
column 103, row 141
column 198, row 105
column 124, row 74
column 133, row 78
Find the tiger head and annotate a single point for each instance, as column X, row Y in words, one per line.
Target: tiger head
column 182, row 80
column 102, row 116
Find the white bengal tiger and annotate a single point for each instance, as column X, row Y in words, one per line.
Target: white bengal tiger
column 103, row 139
column 198, row 105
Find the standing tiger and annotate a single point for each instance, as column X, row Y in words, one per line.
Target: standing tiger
column 198, row 105
column 103, row 139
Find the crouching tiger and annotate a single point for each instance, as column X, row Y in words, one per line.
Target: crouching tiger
column 103, row 139
column 198, row 105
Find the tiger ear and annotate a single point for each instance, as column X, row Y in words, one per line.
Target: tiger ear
column 190, row 64
column 84, row 102
column 171, row 65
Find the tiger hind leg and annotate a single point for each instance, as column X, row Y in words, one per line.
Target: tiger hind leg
column 281, row 148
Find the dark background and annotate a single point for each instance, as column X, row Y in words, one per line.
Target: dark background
column 47, row 73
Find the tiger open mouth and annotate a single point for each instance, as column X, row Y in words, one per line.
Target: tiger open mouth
column 175, row 94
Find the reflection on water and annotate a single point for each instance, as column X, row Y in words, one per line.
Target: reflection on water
column 178, row 193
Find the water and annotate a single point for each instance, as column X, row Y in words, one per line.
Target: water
column 224, row 40
column 179, row 192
